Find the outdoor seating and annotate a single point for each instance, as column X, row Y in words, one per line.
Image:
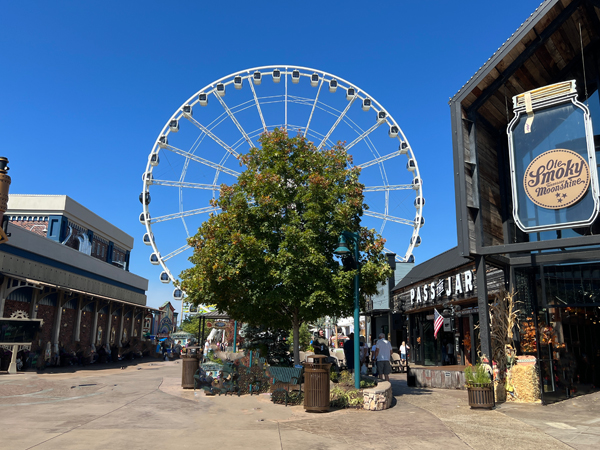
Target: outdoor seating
column 396, row 363
column 340, row 359
column 202, row 379
column 284, row 379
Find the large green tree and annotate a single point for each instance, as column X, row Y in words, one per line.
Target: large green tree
column 267, row 259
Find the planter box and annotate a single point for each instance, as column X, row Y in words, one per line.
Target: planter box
column 481, row 397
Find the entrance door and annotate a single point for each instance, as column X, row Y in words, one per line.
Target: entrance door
column 569, row 351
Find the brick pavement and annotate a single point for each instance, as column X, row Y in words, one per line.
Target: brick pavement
column 144, row 407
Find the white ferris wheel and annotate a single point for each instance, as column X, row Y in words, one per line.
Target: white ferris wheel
column 197, row 150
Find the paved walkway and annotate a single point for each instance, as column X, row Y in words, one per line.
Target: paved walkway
column 143, row 407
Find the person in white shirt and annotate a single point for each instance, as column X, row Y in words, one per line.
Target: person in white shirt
column 383, row 354
column 404, row 351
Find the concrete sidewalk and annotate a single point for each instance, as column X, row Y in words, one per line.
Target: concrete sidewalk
column 143, row 407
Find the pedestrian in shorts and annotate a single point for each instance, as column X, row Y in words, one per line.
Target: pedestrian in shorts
column 383, row 355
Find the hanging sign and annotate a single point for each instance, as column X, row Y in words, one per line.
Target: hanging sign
column 219, row 324
column 556, row 179
column 552, row 160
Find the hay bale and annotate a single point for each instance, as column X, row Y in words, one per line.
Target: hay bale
column 525, row 383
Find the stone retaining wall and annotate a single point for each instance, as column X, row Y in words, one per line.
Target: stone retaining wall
column 379, row 397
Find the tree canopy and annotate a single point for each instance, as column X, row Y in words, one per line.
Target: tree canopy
column 267, row 258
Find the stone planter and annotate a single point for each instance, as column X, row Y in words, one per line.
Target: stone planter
column 481, row 396
column 379, row 397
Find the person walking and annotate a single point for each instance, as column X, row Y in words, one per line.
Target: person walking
column 404, row 352
column 349, row 352
column 320, row 344
column 383, row 355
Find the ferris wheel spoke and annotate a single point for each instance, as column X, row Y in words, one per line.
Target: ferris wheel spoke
column 211, row 135
column 391, row 187
column 185, row 184
column 378, row 160
column 314, row 106
column 179, row 215
column 176, row 252
column 389, row 218
column 262, row 119
column 206, row 162
column 337, row 122
column 286, row 98
column 234, row 119
column 363, row 135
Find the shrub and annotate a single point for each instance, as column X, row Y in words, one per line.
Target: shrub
column 477, row 376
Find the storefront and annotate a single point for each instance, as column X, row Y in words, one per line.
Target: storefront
column 445, row 283
column 526, row 137
column 562, row 306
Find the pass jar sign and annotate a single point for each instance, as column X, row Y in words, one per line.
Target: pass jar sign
column 556, row 179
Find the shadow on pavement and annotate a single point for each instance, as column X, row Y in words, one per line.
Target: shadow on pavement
column 400, row 387
column 124, row 365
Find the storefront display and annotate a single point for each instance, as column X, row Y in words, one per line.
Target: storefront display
column 561, row 327
column 445, row 283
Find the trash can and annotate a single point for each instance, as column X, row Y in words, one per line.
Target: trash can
column 316, row 383
column 189, row 365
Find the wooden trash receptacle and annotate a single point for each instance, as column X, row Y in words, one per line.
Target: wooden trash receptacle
column 316, row 383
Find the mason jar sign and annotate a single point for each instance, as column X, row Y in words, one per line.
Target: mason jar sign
column 553, row 163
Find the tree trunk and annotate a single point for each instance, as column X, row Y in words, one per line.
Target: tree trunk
column 296, row 335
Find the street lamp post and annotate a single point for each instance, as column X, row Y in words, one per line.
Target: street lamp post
column 343, row 250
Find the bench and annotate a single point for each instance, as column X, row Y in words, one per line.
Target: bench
column 283, row 379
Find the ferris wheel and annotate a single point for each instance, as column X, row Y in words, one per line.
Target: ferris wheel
column 197, row 150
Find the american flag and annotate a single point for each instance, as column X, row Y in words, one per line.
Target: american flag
column 438, row 321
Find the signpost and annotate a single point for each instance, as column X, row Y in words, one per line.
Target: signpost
column 16, row 335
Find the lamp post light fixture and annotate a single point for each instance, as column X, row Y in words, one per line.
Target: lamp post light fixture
column 343, row 250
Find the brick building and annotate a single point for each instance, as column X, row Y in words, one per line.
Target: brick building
column 69, row 267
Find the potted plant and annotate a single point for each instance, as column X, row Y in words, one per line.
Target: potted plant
column 479, row 386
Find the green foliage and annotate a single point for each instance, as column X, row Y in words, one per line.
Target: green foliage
column 367, row 383
column 305, row 338
column 334, row 376
column 267, row 258
column 477, row 375
column 270, row 343
column 345, row 398
column 190, row 325
column 212, row 357
column 346, row 379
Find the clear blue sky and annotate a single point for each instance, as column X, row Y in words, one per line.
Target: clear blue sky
column 85, row 87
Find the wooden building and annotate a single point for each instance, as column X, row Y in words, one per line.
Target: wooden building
column 554, row 268
column 445, row 283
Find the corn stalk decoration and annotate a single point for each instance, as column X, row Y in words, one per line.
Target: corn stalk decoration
column 503, row 319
